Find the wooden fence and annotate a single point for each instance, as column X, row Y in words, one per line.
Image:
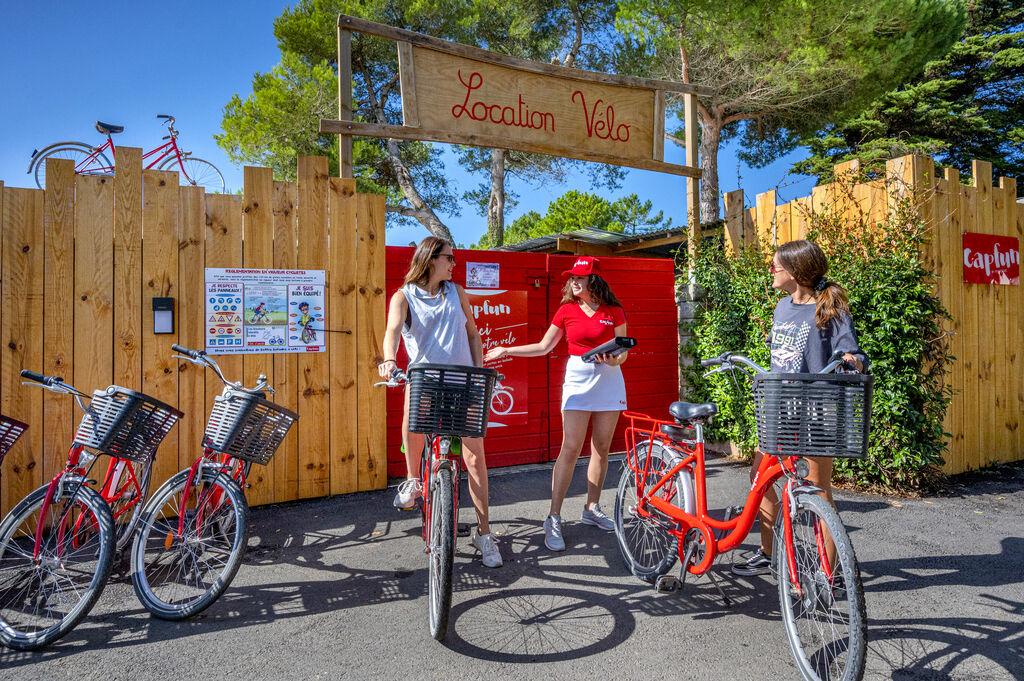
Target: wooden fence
column 987, row 323
column 81, row 261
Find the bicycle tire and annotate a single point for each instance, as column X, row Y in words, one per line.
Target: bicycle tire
column 122, row 496
column 442, row 553
column 823, row 607
column 496, row 402
column 77, row 152
column 84, row 557
column 174, row 579
column 196, row 172
column 647, row 547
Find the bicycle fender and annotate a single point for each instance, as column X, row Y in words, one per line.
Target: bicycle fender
column 39, row 153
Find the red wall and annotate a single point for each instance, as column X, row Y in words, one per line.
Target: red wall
column 646, row 288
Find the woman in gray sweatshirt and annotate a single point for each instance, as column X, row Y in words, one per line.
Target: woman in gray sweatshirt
column 811, row 324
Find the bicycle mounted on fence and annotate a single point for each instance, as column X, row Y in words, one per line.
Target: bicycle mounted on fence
column 446, row 403
column 90, row 160
column 661, row 509
column 57, row 545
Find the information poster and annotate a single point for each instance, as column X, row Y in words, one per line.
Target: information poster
column 483, row 274
column 257, row 311
column 501, row 317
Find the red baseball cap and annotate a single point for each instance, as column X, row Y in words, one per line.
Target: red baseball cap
column 585, row 264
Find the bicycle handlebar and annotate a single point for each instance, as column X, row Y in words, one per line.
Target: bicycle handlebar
column 48, row 381
column 397, row 378
column 194, row 354
column 728, row 361
column 200, row 358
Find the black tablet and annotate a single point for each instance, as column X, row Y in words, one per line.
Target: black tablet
column 615, row 346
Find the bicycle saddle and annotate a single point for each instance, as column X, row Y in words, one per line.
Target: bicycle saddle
column 108, row 129
column 686, row 411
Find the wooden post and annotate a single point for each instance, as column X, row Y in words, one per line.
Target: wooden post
column 344, row 100
column 692, row 160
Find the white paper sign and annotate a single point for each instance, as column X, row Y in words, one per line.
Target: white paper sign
column 257, row 310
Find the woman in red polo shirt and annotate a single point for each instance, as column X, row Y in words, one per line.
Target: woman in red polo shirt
column 593, row 394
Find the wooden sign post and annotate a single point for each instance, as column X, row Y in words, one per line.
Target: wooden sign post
column 460, row 94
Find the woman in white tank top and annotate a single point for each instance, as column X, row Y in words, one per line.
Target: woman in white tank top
column 432, row 315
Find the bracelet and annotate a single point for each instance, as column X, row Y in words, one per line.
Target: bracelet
column 386, row 361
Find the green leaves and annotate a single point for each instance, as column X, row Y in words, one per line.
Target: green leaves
column 899, row 323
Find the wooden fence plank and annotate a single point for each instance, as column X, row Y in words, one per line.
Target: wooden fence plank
column 981, row 172
column 765, row 220
column 370, row 321
column 801, row 213
column 21, row 327
column 286, row 366
column 342, row 301
column 223, row 249
column 128, row 268
column 58, row 300
column 160, row 279
column 955, row 303
column 974, row 444
column 784, row 223
column 258, row 252
column 946, row 240
column 94, row 283
column 734, row 220
column 314, row 382
column 1006, row 351
column 191, row 320
column 1017, row 216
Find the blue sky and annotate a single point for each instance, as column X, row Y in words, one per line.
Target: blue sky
column 68, row 64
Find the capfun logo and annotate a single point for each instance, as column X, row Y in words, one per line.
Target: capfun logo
column 488, row 309
column 990, row 259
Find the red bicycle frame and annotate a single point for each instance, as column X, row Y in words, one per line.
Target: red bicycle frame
column 73, row 467
column 170, row 148
column 433, row 461
column 770, row 470
column 211, row 499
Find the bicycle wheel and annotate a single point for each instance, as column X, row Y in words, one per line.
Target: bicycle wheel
column 647, row 546
column 177, row 575
column 501, row 402
column 87, row 160
column 43, row 597
column 127, row 495
column 825, row 620
column 442, row 552
column 196, row 172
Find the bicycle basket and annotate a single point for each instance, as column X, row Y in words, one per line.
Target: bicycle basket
column 446, row 399
column 813, row 414
column 10, row 431
column 125, row 424
column 247, row 426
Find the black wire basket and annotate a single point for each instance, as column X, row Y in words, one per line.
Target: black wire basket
column 10, row 431
column 813, row 414
column 126, row 424
column 247, row 426
column 446, row 399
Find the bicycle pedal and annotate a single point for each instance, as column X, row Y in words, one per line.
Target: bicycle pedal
column 462, row 529
column 667, row 584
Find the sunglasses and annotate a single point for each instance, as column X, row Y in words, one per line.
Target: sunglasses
column 773, row 268
column 451, row 258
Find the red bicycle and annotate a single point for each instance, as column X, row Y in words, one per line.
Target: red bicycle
column 446, row 403
column 661, row 509
column 90, row 160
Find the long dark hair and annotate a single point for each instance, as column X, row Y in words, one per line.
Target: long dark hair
column 598, row 288
column 806, row 262
column 419, row 268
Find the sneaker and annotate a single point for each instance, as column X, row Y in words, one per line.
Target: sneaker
column 553, row 533
column 488, row 548
column 408, row 492
column 596, row 517
column 757, row 564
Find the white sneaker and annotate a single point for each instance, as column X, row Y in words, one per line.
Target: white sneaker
column 596, row 517
column 488, row 549
column 408, row 492
column 553, row 533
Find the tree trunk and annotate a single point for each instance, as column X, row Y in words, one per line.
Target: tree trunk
column 420, row 210
column 710, row 137
column 496, row 206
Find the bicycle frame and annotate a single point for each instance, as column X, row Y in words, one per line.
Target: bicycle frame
column 736, row 529
column 73, row 472
column 161, row 153
column 437, row 454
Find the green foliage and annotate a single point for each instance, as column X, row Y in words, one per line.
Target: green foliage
column 899, row 322
column 575, row 210
column 968, row 104
column 780, row 67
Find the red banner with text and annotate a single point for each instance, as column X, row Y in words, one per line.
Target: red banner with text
column 991, row 259
column 501, row 317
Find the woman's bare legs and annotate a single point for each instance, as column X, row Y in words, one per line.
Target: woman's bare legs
column 476, row 466
column 602, row 430
column 574, row 430
column 820, row 476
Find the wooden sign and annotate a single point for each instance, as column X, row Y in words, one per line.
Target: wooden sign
column 991, row 259
column 464, row 95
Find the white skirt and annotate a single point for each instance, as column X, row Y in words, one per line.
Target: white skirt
column 592, row 387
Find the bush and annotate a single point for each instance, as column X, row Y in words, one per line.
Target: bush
column 899, row 323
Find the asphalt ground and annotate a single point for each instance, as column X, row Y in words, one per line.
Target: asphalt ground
column 336, row 589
